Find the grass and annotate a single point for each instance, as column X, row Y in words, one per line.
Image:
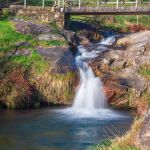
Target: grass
column 9, row 37
column 49, row 43
column 119, row 22
column 126, row 142
column 34, row 59
column 40, row 2
column 144, row 70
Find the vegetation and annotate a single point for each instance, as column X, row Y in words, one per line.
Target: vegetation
column 119, row 23
column 25, row 79
column 144, row 70
column 40, row 2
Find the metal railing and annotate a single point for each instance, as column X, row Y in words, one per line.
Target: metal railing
column 94, row 5
column 108, row 9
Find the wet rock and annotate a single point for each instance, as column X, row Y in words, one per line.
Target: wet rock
column 84, row 40
column 73, row 41
column 69, row 36
column 90, row 35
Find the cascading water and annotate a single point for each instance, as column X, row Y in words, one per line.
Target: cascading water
column 90, row 100
column 90, row 95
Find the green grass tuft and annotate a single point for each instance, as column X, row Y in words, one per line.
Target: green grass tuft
column 144, row 70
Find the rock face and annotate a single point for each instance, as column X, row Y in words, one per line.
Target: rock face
column 60, row 58
column 139, row 37
column 27, row 27
column 144, row 137
column 138, row 48
column 119, row 66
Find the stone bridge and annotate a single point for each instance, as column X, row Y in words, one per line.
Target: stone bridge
column 61, row 15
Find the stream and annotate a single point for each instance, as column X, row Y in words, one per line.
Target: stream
column 87, row 122
column 52, row 129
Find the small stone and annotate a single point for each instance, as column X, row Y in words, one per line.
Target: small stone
column 24, row 52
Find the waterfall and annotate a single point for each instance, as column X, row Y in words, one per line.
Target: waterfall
column 89, row 95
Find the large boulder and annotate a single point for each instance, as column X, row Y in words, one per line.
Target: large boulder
column 139, row 37
column 60, row 59
column 28, row 27
column 137, row 48
column 119, row 66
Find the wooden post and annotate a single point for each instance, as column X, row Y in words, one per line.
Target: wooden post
column 63, row 4
column 117, row 6
column 25, row 3
column 98, row 5
column 58, row 3
column 43, row 3
column 137, row 20
column 136, row 4
column 79, row 4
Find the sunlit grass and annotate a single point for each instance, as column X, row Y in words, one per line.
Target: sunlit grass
column 120, row 23
column 9, row 37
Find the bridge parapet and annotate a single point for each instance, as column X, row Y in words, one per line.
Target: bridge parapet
column 46, row 14
column 108, row 9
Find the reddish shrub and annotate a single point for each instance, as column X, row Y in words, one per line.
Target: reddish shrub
column 17, row 77
column 17, row 81
column 136, row 28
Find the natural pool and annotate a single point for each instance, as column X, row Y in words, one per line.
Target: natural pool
column 58, row 128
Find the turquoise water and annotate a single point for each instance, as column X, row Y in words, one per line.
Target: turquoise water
column 58, row 129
